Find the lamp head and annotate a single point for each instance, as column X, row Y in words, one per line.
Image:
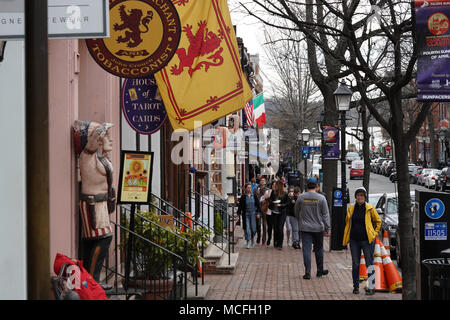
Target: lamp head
column 343, row 97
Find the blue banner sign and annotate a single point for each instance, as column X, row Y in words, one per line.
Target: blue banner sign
column 142, row 106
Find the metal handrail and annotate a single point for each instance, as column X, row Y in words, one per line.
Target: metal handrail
column 158, row 251
column 222, row 210
column 186, row 264
column 194, row 221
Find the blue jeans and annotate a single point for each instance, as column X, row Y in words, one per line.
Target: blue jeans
column 292, row 225
column 250, row 221
column 355, row 249
column 308, row 239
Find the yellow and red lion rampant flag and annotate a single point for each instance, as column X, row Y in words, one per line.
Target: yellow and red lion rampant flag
column 204, row 80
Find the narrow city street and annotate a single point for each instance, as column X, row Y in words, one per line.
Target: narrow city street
column 379, row 184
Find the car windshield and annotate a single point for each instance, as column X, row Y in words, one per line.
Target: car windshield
column 373, row 199
column 392, row 206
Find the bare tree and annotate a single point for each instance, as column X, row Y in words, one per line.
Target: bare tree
column 293, row 88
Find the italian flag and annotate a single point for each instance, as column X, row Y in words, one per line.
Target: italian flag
column 259, row 110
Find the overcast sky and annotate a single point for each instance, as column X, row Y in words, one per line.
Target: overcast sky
column 251, row 32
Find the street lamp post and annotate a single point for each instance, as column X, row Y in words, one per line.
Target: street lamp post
column 343, row 96
column 424, row 137
column 306, row 135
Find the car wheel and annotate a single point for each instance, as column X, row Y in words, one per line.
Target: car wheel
column 411, row 180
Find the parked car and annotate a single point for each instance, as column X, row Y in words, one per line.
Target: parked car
column 352, row 156
column 393, row 176
column 414, row 171
column 373, row 164
column 430, row 180
column 373, row 198
column 357, row 169
column 387, row 208
column 388, row 168
column 383, row 165
column 421, row 178
column 443, row 180
column 379, row 163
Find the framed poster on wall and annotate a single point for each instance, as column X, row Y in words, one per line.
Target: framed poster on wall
column 135, row 177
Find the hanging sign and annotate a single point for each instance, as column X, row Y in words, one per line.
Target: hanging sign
column 135, row 177
column 67, row 19
column 433, row 44
column 331, row 150
column 142, row 106
column 144, row 37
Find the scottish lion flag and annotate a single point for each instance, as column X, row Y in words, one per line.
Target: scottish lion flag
column 204, row 80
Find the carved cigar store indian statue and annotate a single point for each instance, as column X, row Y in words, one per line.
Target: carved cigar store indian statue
column 93, row 143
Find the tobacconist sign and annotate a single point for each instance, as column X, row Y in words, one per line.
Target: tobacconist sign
column 67, row 19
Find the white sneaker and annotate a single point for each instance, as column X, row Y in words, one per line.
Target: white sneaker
column 248, row 245
column 253, row 243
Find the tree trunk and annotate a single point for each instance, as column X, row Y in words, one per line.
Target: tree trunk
column 433, row 160
column 414, row 141
column 366, row 148
column 407, row 254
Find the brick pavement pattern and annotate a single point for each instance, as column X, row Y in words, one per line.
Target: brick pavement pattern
column 265, row 273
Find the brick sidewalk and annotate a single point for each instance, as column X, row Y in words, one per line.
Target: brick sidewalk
column 264, row 273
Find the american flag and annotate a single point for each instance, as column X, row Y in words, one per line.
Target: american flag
column 249, row 113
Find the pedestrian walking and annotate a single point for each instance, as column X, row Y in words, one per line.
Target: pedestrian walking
column 261, row 219
column 248, row 206
column 278, row 202
column 292, row 231
column 254, row 185
column 269, row 215
column 311, row 211
column 360, row 233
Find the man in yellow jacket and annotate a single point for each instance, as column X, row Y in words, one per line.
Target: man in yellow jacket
column 362, row 225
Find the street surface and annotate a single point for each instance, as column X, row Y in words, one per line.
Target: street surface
column 378, row 184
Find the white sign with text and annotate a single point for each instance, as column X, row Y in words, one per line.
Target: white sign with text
column 67, row 19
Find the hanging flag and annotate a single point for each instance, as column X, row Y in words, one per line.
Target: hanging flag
column 204, row 80
column 433, row 48
column 259, row 110
column 249, row 113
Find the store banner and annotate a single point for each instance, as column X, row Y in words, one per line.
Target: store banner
column 331, row 150
column 433, row 44
column 144, row 36
column 204, row 81
column 142, row 106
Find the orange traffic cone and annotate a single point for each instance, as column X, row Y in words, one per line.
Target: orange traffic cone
column 362, row 269
column 386, row 242
column 199, row 267
column 393, row 278
column 380, row 281
column 187, row 221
